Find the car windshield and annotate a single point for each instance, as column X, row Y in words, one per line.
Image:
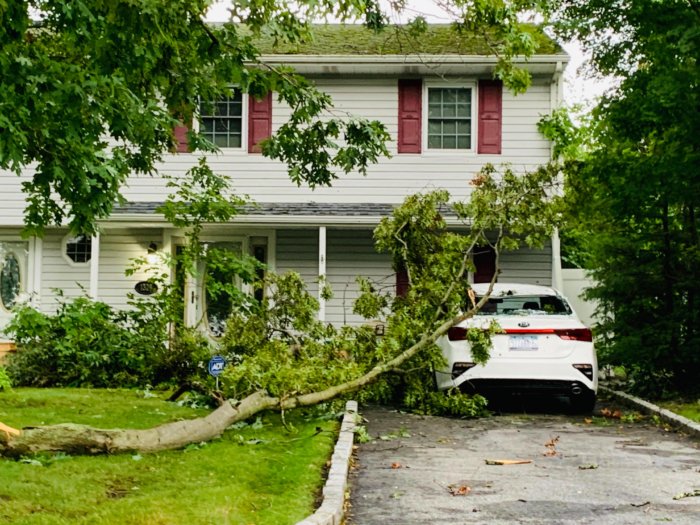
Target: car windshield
column 525, row 305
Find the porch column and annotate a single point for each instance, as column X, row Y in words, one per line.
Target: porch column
column 557, row 277
column 321, row 272
column 36, row 246
column 94, row 266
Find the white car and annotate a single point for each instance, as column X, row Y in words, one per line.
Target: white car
column 545, row 348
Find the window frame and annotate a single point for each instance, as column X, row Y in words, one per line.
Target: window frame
column 64, row 250
column 197, row 122
column 473, row 115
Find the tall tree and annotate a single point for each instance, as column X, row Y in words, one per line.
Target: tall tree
column 636, row 192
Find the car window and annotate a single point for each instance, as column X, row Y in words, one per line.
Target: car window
column 525, row 305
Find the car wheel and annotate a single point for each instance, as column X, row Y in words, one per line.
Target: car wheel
column 584, row 403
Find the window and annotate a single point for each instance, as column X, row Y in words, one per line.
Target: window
column 525, row 305
column 221, row 122
column 10, row 281
column 78, row 249
column 449, row 117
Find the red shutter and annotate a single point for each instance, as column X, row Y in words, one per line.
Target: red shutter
column 485, row 262
column 180, row 133
column 490, row 116
column 402, row 283
column 259, row 121
column 410, row 115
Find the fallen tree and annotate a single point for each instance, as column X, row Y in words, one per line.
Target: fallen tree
column 289, row 361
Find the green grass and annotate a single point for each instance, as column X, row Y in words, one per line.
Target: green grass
column 255, row 474
column 691, row 410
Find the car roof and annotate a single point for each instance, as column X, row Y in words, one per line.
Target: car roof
column 500, row 289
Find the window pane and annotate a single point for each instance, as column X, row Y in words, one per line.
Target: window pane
column 449, row 111
column 221, row 141
column 434, row 110
column 434, row 127
column 449, row 96
column 234, row 141
column 449, row 127
column 434, row 142
column 463, row 142
column 435, row 96
column 463, row 110
column 449, row 143
column 463, row 127
column 221, row 125
column 221, row 108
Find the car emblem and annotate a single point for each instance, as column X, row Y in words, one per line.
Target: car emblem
column 523, row 324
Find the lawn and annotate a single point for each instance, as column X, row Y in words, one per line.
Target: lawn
column 690, row 409
column 257, row 473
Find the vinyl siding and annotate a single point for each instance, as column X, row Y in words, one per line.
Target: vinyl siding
column 57, row 273
column 390, row 180
column 528, row 266
column 117, row 250
column 350, row 253
column 297, row 250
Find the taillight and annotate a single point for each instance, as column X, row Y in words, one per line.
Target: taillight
column 576, row 334
column 569, row 334
column 585, row 369
column 457, row 333
column 459, row 368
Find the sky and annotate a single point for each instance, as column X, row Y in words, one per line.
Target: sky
column 578, row 88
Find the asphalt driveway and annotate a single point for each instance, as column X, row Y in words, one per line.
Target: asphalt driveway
column 429, row 470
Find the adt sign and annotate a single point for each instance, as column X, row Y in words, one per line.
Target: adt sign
column 216, row 365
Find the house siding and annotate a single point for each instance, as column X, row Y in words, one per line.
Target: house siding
column 297, row 250
column 392, row 179
column 351, row 253
column 118, row 248
column 528, row 266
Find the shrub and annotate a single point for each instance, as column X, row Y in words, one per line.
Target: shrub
column 5, row 383
column 86, row 343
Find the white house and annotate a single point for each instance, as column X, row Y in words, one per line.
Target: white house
column 446, row 117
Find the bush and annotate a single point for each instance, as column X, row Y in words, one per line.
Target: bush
column 5, row 383
column 86, row 343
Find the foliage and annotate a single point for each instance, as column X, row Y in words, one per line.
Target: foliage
column 85, row 343
column 72, row 75
column 5, row 382
column 634, row 192
column 88, row 343
column 280, row 346
column 148, row 488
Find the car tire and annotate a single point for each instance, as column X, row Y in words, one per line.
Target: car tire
column 583, row 403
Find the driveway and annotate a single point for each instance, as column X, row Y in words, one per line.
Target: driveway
column 430, row 470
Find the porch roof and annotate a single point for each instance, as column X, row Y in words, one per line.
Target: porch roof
column 285, row 213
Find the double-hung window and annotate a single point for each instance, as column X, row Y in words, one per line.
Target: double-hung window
column 221, row 121
column 449, row 117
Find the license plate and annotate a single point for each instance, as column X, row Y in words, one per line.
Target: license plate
column 522, row 342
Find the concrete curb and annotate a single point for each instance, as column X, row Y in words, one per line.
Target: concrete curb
column 691, row 427
column 332, row 509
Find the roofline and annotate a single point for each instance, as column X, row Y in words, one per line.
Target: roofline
column 153, row 220
column 409, row 59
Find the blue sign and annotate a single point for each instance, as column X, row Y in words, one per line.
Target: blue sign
column 216, row 365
